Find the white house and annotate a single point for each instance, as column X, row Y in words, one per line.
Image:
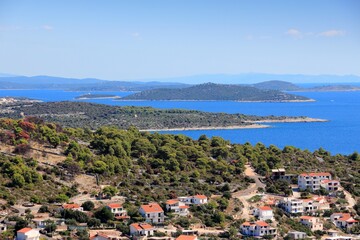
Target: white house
column 312, row 181
column 118, row 210
column 141, row 229
column 28, row 234
column 297, row 235
column 330, row 185
column 187, row 237
column 343, row 220
column 257, row 229
column 73, row 206
column 292, row 205
column 3, row 228
column 264, row 213
column 196, row 199
column 311, row 222
column 334, row 235
column 152, row 212
column 177, row 207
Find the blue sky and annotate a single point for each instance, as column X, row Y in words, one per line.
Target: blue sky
column 166, row 38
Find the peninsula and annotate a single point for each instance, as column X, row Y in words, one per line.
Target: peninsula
column 80, row 114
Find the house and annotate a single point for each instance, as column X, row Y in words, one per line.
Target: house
column 330, row 185
column 343, row 220
column 106, row 235
column 28, row 234
column 257, row 229
column 264, row 213
column 118, row 211
column 197, row 199
column 310, row 205
column 141, row 229
column 292, row 205
column 297, row 235
column 334, row 235
column 178, row 207
column 311, row 222
column 187, row 237
column 280, row 174
column 312, row 180
column 74, row 207
column 152, row 212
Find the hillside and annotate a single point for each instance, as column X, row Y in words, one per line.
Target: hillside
column 219, row 92
column 79, row 114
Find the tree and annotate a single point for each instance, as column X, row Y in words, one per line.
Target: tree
column 94, row 222
column 62, row 198
column 18, row 180
column 20, row 224
column 104, row 214
column 50, row 226
column 110, row 190
column 88, row 205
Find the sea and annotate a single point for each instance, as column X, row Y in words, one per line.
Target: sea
column 340, row 135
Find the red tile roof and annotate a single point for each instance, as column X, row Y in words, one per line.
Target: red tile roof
column 142, row 226
column 265, row 208
column 306, row 217
column 200, row 196
column 24, row 230
column 152, row 207
column 71, row 206
column 114, row 205
column 184, row 207
column 261, row 224
column 172, row 201
column 315, row 174
column 186, row 237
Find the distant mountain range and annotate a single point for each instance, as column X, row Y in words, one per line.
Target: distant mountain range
column 218, row 92
column 87, row 84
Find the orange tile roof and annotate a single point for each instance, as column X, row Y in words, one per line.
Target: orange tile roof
column 186, row 237
column 344, row 216
column 172, row 201
column 71, row 206
column 200, row 196
column 306, row 217
column 261, row 224
column 315, row 174
column 265, row 208
column 24, row 230
column 184, row 207
column 246, row 224
column 351, row 221
column 142, row 226
column 152, row 207
column 114, row 205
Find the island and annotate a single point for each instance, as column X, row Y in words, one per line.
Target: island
column 91, row 115
column 97, row 96
column 217, row 92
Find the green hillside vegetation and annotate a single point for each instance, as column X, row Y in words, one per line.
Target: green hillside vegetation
column 219, row 92
column 147, row 167
column 80, row 114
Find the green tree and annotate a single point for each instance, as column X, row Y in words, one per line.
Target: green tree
column 88, row 205
column 104, row 214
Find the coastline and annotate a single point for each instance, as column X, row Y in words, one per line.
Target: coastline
column 290, row 120
column 194, row 100
column 250, row 126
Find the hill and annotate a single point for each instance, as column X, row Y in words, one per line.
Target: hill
column 277, row 85
column 79, row 114
column 219, row 92
column 74, row 84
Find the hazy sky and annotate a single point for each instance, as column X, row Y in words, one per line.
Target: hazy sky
column 166, row 38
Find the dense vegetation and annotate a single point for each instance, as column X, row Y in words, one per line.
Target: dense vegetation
column 82, row 114
column 211, row 91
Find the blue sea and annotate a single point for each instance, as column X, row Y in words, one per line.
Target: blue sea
column 340, row 135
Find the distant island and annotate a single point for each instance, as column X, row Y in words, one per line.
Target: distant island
column 217, row 92
column 81, row 114
column 96, row 96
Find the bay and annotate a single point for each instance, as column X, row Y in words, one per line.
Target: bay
column 340, row 135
